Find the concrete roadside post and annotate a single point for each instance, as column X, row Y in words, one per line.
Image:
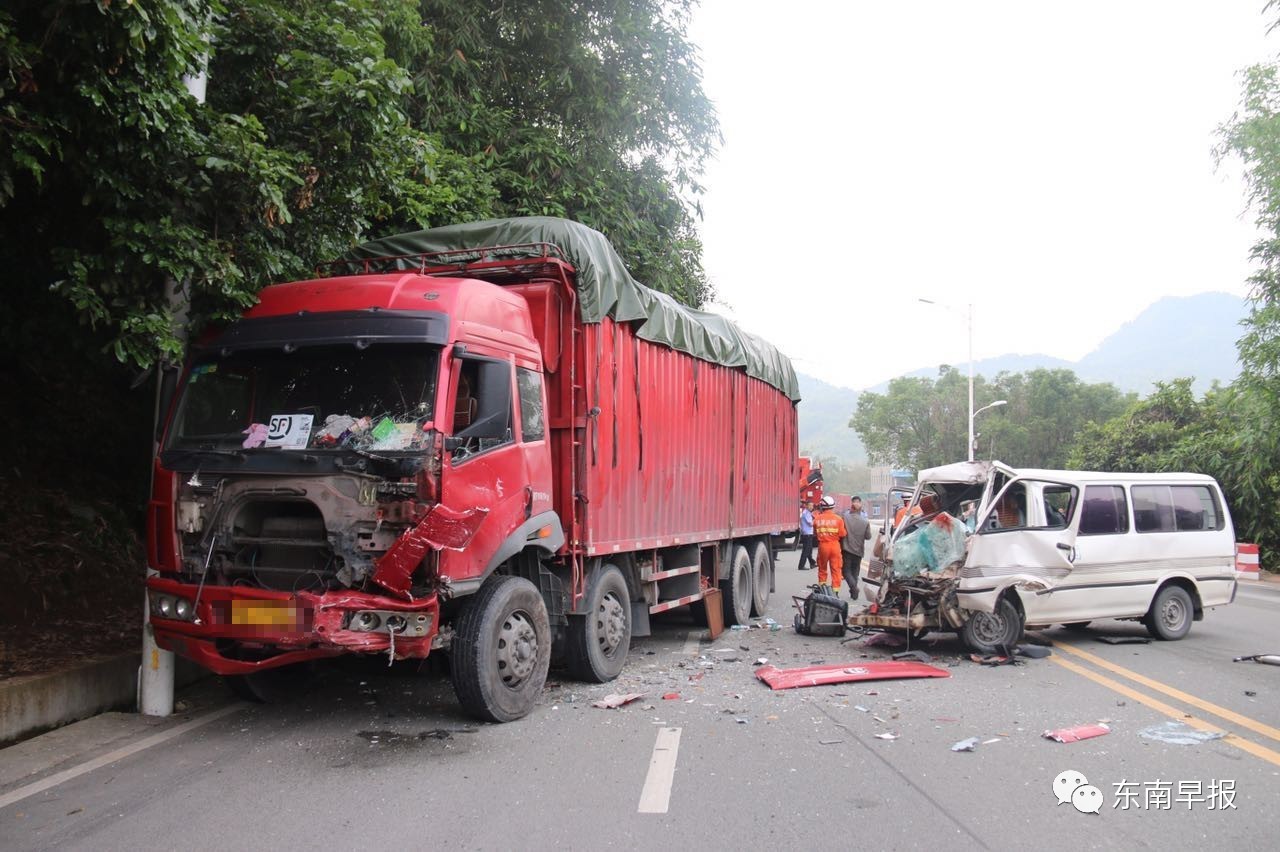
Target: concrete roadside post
column 155, row 675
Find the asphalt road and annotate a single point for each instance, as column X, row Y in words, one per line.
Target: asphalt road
column 382, row 758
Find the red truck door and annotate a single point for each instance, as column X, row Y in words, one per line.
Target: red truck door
column 484, row 465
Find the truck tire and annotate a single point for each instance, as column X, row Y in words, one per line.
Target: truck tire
column 735, row 589
column 501, row 650
column 1171, row 613
column 993, row 632
column 599, row 639
column 761, row 575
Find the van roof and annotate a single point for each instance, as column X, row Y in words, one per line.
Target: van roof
column 980, row 471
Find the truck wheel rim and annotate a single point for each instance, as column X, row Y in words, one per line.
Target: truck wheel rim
column 1173, row 613
column 611, row 624
column 517, row 649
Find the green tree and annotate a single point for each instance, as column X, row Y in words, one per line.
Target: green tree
column 1252, row 136
column 921, row 423
column 591, row 109
column 1045, row 411
column 328, row 122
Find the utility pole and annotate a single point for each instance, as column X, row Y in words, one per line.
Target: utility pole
column 155, row 676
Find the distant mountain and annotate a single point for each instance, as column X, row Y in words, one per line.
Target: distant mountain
column 1193, row 336
column 1175, row 337
column 824, row 421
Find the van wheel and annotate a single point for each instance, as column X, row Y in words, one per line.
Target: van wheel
column 993, row 632
column 761, row 566
column 600, row 638
column 1170, row 615
column 1077, row 626
column 501, row 650
column 736, row 588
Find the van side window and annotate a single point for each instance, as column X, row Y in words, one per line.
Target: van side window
column 1169, row 508
column 1105, row 510
column 1195, row 508
column 1057, row 505
column 531, row 420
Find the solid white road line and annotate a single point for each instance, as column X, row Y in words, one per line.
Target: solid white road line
column 111, row 757
column 656, row 795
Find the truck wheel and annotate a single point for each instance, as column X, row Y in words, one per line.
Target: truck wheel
column 1170, row 615
column 736, row 588
column 501, row 650
column 600, row 639
column 993, row 632
column 761, row 568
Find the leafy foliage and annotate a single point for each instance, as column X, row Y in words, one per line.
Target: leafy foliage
column 325, row 123
column 920, row 423
column 592, row 110
column 1220, row 435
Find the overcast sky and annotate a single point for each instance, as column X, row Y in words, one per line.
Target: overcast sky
column 1050, row 163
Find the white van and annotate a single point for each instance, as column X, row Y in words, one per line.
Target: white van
column 1051, row 547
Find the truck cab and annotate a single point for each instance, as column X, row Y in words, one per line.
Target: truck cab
column 303, row 488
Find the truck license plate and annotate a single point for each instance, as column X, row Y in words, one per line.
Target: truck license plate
column 264, row 613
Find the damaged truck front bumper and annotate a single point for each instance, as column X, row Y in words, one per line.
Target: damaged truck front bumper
column 233, row 630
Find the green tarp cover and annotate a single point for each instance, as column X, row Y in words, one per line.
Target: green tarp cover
column 605, row 288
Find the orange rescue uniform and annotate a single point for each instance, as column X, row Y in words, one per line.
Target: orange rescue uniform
column 828, row 529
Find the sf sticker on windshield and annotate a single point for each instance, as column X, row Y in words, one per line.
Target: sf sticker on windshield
column 289, row 431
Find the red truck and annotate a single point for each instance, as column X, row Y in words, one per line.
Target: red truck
column 483, row 439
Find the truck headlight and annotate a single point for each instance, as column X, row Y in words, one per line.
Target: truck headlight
column 182, row 609
column 163, row 606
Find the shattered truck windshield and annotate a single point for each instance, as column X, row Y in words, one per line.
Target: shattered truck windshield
column 377, row 399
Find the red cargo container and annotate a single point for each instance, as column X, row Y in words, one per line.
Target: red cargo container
column 695, row 452
column 505, row 447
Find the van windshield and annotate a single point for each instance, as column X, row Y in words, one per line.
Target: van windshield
column 323, row 397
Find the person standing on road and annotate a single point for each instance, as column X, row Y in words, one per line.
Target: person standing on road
column 854, row 543
column 828, row 529
column 806, row 536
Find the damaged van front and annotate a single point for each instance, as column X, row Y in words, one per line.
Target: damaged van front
column 1044, row 547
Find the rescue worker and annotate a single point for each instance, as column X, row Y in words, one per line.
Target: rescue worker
column 828, row 529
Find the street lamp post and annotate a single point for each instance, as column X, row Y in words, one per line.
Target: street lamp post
column 973, row 414
column 969, row 322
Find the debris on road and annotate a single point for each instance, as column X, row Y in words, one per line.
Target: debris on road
column 1250, row 693
column 1076, row 734
column 992, row 740
column 884, row 640
column 671, row 696
column 1268, row 659
column 886, row 736
column 762, row 661
column 994, row 660
column 1034, row 652
column 829, row 742
column 1124, row 640
column 860, row 708
column 1176, row 733
column 844, row 672
column 966, row 745
column 614, row 700
column 918, row 656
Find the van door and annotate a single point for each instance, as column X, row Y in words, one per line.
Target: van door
column 1025, row 538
